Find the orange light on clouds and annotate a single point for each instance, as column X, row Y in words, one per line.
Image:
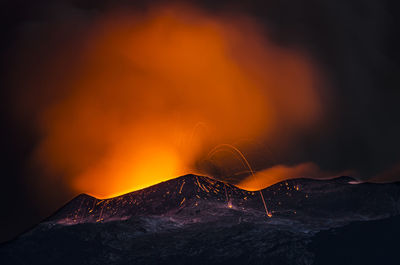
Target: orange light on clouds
column 144, row 84
column 270, row 176
column 273, row 175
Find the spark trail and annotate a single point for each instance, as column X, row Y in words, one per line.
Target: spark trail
column 246, row 163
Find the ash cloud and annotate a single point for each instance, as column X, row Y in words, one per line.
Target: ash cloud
column 126, row 91
column 353, row 43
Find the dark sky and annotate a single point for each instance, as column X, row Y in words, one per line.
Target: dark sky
column 355, row 42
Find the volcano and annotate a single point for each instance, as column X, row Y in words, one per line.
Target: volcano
column 199, row 220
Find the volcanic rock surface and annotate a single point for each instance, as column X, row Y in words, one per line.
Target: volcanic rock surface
column 198, row 220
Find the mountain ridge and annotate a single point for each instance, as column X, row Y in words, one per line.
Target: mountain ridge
column 192, row 191
column 198, row 220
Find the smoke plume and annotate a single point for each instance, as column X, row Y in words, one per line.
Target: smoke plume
column 143, row 97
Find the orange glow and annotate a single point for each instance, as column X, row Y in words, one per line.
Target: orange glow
column 278, row 173
column 275, row 174
column 153, row 93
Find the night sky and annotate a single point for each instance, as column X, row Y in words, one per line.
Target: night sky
column 355, row 44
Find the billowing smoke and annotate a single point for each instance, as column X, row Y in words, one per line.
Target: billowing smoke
column 275, row 174
column 98, row 98
column 143, row 97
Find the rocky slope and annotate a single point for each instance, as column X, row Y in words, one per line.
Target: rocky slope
column 198, row 220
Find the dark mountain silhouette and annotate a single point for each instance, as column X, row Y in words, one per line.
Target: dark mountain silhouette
column 199, row 220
